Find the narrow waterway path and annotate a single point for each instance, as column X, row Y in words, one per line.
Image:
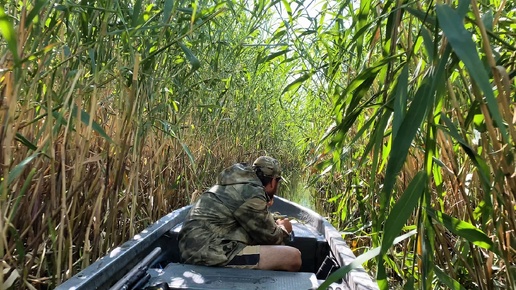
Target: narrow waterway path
column 295, row 189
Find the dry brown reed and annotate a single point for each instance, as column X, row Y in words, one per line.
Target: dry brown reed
column 103, row 129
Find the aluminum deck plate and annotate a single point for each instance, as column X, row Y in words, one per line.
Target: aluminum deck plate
column 182, row 276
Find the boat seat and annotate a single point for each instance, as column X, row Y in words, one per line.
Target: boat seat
column 312, row 245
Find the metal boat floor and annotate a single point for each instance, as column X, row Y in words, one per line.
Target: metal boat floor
column 183, row 276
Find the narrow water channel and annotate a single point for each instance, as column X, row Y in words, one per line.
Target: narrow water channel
column 295, row 190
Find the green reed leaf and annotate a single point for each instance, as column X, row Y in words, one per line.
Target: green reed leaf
column 419, row 108
column 85, row 118
column 359, row 261
column 396, row 220
column 463, row 7
column 460, row 39
column 463, row 229
column 362, row 83
column 477, row 160
column 296, row 83
column 447, row 280
column 18, row 169
column 362, row 22
column 137, row 8
column 273, row 56
column 167, row 10
column 19, row 137
column 423, row 16
column 400, row 100
column 189, row 154
column 402, row 210
column 409, row 126
column 287, row 8
column 429, row 44
column 194, row 61
column 7, row 30
column 35, row 11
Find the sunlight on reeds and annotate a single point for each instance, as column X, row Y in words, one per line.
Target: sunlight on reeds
column 111, row 118
column 430, row 101
column 114, row 113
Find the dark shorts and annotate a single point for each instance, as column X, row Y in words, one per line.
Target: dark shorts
column 248, row 258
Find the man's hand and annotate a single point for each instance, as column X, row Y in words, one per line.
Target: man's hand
column 285, row 223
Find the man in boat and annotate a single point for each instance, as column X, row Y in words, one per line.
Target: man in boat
column 230, row 224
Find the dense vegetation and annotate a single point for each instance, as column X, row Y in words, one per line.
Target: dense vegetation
column 400, row 116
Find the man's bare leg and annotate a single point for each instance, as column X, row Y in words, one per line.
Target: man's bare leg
column 283, row 258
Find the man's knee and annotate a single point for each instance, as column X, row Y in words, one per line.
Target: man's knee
column 284, row 258
column 295, row 262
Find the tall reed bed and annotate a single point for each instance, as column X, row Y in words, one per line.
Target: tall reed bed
column 419, row 165
column 113, row 113
column 82, row 169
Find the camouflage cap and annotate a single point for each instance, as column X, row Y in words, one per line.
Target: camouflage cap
column 268, row 165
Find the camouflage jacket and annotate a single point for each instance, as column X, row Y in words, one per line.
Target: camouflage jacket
column 228, row 217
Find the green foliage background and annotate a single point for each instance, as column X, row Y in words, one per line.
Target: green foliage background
column 399, row 116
